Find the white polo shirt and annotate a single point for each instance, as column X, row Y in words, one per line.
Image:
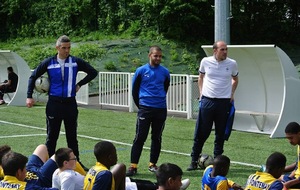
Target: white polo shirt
column 218, row 75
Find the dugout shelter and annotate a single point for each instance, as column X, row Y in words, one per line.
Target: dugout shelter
column 267, row 97
column 21, row 68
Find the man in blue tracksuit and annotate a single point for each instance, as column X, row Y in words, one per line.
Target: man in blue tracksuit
column 62, row 71
column 149, row 89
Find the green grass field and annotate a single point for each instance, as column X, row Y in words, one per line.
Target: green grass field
column 24, row 128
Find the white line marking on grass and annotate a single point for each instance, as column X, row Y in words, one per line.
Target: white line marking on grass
column 15, row 136
column 21, row 125
column 166, row 151
column 120, row 143
column 36, row 107
column 27, row 126
column 245, row 164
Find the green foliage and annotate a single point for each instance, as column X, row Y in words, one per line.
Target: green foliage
column 105, row 53
column 124, row 58
column 88, row 51
column 110, row 66
column 190, row 61
column 174, row 55
column 185, row 21
column 136, row 62
column 36, row 55
column 134, row 28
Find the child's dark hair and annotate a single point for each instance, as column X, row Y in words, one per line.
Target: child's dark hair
column 3, row 150
column 292, row 128
column 166, row 171
column 221, row 165
column 276, row 161
column 103, row 149
column 12, row 162
column 61, row 155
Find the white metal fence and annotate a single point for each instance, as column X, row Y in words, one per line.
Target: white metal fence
column 115, row 90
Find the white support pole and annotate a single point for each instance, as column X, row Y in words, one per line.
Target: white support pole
column 189, row 97
column 130, row 100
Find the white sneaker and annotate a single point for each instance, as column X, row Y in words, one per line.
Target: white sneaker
column 185, row 184
column 2, row 102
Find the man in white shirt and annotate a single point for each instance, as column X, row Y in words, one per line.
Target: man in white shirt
column 218, row 80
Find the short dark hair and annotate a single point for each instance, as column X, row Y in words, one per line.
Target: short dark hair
column 12, row 162
column 61, row 155
column 103, row 149
column 221, row 160
column 3, row 150
column 155, row 47
column 10, row 69
column 166, row 171
column 292, row 128
column 276, row 161
column 221, row 165
column 62, row 39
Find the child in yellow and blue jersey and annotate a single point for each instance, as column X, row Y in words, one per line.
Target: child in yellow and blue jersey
column 17, row 176
column 214, row 176
column 269, row 179
column 292, row 133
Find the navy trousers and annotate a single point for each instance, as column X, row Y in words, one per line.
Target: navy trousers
column 58, row 110
column 147, row 117
column 211, row 111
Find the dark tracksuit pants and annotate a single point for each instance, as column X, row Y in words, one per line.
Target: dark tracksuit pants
column 5, row 89
column 58, row 110
column 211, row 110
column 154, row 117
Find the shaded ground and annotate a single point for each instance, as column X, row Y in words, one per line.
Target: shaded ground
column 94, row 104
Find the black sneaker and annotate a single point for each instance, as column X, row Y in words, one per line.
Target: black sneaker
column 193, row 166
column 85, row 168
column 131, row 171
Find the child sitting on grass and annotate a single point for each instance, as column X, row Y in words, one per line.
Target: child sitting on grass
column 214, row 176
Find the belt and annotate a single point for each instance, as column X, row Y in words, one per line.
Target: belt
column 62, row 99
column 215, row 98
